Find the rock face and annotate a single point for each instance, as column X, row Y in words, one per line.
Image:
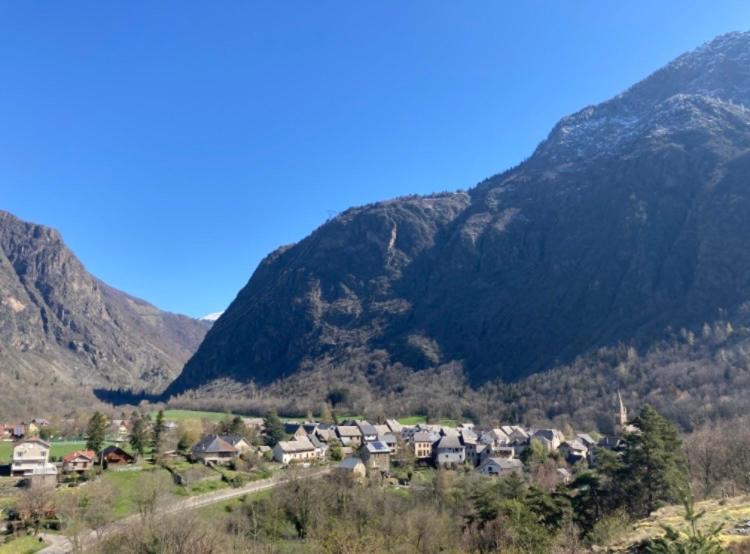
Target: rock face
column 631, row 217
column 61, row 327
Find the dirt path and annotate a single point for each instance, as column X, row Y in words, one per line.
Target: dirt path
column 61, row 545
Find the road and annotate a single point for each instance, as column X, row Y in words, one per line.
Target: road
column 60, row 545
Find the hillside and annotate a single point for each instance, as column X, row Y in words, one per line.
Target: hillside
column 627, row 222
column 63, row 332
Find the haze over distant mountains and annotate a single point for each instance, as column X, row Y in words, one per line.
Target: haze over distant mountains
column 631, row 218
column 63, row 331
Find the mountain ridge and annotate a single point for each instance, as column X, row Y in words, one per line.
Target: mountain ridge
column 61, row 327
column 626, row 221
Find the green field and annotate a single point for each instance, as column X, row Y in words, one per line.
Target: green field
column 181, row 415
column 125, row 483
column 413, row 420
column 23, row 545
column 58, row 449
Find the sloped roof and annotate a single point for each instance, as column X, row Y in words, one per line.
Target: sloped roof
column 301, row 444
column 89, row 454
column 350, row 463
column 450, row 441
column 348, row 431
column 504, row 463
column 213, row 444
column 366, row 428
column 425, row 436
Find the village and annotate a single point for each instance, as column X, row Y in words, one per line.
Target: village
column 237, row 451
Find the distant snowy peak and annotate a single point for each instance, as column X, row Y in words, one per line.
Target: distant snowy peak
column 211, row 317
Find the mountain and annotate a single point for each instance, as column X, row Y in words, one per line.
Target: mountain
column 628, row 221
column 212, row 317
column 61, row 329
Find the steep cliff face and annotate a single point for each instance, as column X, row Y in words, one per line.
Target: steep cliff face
column 62, row 327
column 631, row 217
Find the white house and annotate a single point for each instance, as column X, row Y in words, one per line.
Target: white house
column 31, row 459
column 297, row 450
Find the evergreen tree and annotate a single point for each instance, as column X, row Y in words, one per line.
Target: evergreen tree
column 139, row 436
column 157, row 434
column 274, row 429
column 653, row 465
column 96, row 431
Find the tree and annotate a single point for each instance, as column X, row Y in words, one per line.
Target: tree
column 138, row 436
column 190, row 431
column 326, row 416
column 694, row 541
column 274, row 429
column 158, row 432
column 96, row 431
column 653, row 465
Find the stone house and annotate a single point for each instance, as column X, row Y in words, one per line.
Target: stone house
column 376, row 456
column 450, row 451
column 212, row 449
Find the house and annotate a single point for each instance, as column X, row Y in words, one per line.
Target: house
column 586, row 439
column 500, row 467
column 119, row 430
column 381, row 429
column 574, row 451
column 297, row 450
column 18, row 431
column 31, row 459
column 369, row 433
column 114, row 455
column 394, row 426
column 422, row 442
column 212, row 449
column 550, row 439
column 320, row 447
column 240, row 443
column 498, row 437
column 450, row 451
column 376, row 456
column 79, row 461
column 353, row 467
column 516, row 434
column 349, row 435
column 474, row 452
column 40, row 422
column 505, row 452
column 390, row 440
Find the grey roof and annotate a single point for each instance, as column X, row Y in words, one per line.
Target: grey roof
column 504, row 463
column 388, row 438
column 213, row 444
column 350, row 463
column 424, row 436
column 449, row 441
column 316, row 442
column 366, row 428
column 586, row 439
column 394, row 425
column 233, row 439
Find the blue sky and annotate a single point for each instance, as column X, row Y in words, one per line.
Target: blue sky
column 174, row 146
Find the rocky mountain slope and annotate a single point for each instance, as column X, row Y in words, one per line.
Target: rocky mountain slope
column 61, row 329
column 629, row 220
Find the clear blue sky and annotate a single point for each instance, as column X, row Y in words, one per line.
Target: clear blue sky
column 176, row 145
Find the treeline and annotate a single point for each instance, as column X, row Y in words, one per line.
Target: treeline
column 691, row 377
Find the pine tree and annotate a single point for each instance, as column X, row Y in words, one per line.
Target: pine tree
column 653, row 465
column 158, row 432
column 138, row 436
column 274, row 429
column 96, row 431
